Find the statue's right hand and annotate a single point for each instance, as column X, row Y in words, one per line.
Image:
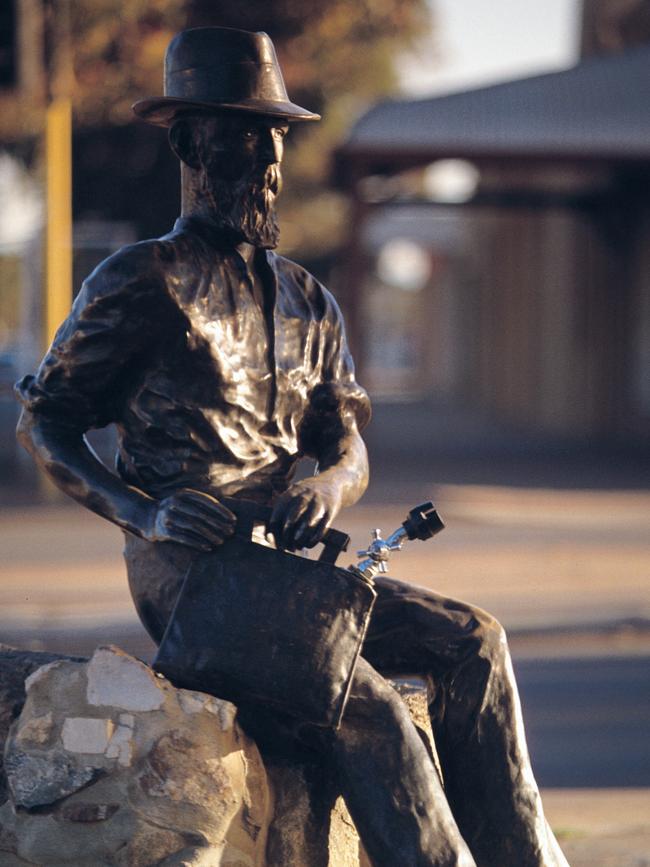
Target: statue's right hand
column 190, row 518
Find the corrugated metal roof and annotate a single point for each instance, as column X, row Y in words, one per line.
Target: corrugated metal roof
column 599, row 108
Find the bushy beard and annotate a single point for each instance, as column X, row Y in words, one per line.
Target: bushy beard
column 247, row 206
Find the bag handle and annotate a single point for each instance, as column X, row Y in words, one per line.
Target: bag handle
column 250, row 513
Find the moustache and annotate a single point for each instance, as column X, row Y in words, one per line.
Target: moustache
column 267, row 183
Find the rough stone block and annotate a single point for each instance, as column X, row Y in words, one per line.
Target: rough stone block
column 38, row 730
column 134, row 783
column 175, row 782
column 118, row 680
column 38, row 780
column 15, row 667
column 86, row 735
column 121, row 745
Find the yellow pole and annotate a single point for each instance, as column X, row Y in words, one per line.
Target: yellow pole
column 58, row 149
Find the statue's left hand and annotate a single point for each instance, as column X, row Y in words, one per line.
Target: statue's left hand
column 304, row 512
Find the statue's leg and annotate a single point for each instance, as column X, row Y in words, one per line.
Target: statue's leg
column 462, row 653
column 389, row 782
column 378, row 762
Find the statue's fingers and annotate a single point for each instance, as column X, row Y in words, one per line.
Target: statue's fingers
column 278, row 516
column 321, row 528
column 208, row 504
column 305, row 533
column 311, row 537
column 188, row 538
column 206, row 534
column 283, row 526
column 212, row 521
column 296, row 513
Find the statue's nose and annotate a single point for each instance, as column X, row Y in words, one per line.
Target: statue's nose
column 271, row 148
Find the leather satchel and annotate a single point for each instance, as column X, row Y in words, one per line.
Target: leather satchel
column 257, row 625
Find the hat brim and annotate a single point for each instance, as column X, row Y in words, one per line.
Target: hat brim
column 163, row 110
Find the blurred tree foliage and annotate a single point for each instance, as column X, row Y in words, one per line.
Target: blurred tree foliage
column 336, row 57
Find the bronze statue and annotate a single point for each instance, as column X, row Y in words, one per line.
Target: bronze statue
column 222, row 364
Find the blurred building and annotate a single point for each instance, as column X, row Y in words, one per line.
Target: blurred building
column 499, row 251
column 498, row 258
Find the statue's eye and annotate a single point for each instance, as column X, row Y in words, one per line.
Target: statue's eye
column 249, row 134
column 280, row 132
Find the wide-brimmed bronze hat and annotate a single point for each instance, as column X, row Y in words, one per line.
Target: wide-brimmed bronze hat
column 219, row 68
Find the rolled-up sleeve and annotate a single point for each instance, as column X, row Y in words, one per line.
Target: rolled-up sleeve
column 81, row 380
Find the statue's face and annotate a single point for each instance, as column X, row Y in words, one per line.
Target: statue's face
column 239, row 157
column 238, row 146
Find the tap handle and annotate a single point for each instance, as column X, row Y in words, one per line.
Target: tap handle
column 423, row 522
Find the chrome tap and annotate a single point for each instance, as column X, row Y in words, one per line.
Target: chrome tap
column 423, row 522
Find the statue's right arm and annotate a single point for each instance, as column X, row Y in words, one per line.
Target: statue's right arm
column 187, row 517
column 111, row 326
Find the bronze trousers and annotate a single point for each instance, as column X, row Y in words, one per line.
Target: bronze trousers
column 488, row 813
column 490, row 803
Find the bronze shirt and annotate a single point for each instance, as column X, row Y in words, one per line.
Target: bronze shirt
column 166, row 340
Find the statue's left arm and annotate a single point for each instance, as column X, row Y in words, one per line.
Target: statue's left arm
column 338, row 410
column 305, row 511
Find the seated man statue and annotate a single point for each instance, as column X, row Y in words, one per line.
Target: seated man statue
column 221, row 365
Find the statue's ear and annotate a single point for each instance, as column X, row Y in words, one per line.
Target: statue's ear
column 184, row 140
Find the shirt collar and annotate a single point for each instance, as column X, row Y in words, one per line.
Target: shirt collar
column 218, row 237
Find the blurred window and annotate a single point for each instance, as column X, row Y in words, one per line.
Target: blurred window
column 404, row 264
column 451, row 181
column 398, row 307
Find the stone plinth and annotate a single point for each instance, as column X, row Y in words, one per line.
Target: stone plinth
column 109, row 764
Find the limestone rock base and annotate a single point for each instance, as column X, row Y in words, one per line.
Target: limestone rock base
column 109, row 764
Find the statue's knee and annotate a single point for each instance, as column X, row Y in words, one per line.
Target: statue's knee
column 373, row 701
column 492, row 642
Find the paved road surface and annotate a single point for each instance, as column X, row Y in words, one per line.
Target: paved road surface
column 587, row 720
